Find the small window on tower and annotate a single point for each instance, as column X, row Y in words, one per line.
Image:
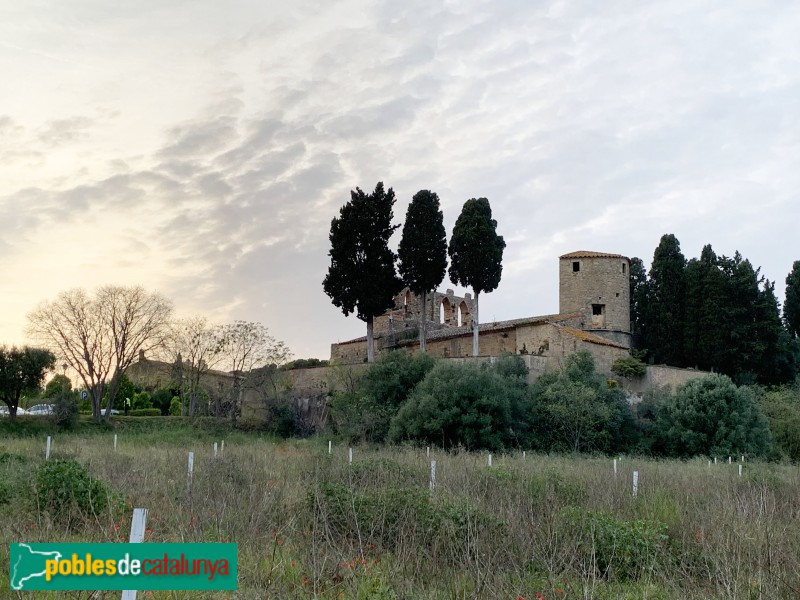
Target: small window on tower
column 576, row 266
column 623, row 268
column 597, row 309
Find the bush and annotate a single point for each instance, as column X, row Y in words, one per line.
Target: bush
column 65, row 411
column 175, row 407
column 711, row 416
column 576, row 410
column 461, row 404
column 366, row 412
column 281, row 418
column 628, row 367
column 782, row 408
column 65, row 489
column 162, row 400
column 620, row 550
column 145, row 412
column 142, row 400
column 304, row 363
column 391, row 516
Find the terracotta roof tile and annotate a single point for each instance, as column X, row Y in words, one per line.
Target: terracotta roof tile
column 591, row 254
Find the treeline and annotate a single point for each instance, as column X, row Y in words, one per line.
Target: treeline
column 714, row 313
column 403, row 398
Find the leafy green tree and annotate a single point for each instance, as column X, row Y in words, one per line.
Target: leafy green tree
column 365, row 413
column 64, row 400
column 460, row 405
column 162, row 400
column 791, row 306
column 22, row 370
column 711, row 416
column 578, row 411
column 56, row 386
column 125, row 389
column 476, row 254
column 663, row 322
column 423, row 251
column 361, row 277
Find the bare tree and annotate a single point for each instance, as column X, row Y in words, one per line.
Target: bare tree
column 246, row 346
column 195, row 349
column 100, row 336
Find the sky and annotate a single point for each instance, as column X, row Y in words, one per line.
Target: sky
column 200, row 148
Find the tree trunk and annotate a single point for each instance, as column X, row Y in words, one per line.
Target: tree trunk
column 422, row 322
column 475, row 323
column 96, row 392
column 370, row 341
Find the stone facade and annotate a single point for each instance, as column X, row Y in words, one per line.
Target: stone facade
column 597, row 286
column 594, row 313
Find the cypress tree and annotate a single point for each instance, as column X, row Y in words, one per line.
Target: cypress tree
column 476, row 253
column 361, row 277
column 664, row 318
column 423, row 250
column 791, row 307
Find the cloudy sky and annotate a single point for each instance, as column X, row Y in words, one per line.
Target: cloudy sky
column 201, row 148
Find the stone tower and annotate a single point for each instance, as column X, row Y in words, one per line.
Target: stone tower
column 596, row 285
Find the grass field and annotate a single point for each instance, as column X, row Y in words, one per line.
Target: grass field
column 310, row 525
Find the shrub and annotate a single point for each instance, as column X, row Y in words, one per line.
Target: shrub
column 281, row 418
column 576, row 410
column 6, row 493
column 142, row 400
column 460, row 404
column 175, row 407
column 65, row 411
column 628, row 367
column 65, row 489
column 304, row 363
column 392, row 516
column 711, row 416
column 782, row 408
column 620, row 550
column 366, row 412
column 145, row 412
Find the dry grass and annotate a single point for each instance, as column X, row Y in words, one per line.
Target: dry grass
column 310, row 525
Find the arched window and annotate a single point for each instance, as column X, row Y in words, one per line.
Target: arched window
column 445, row 311
column 464, row 318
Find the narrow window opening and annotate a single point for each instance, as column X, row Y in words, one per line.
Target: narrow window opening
column 623, row 268
column 576, row 266
column 597, row 309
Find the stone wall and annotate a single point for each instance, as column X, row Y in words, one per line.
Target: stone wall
column 661, row 376
column 555, row 343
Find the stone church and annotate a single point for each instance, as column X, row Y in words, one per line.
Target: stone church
column 593, row 314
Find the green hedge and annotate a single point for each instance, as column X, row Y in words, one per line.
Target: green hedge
column 145, row 412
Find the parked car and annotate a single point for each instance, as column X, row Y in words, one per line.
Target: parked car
column 4, row 411
column 41, row 409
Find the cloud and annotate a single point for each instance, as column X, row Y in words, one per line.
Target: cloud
column 587, row 125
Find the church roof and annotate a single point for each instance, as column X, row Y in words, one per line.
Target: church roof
column 591, row 254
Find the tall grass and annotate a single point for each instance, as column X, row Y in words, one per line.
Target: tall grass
column 310, row 525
